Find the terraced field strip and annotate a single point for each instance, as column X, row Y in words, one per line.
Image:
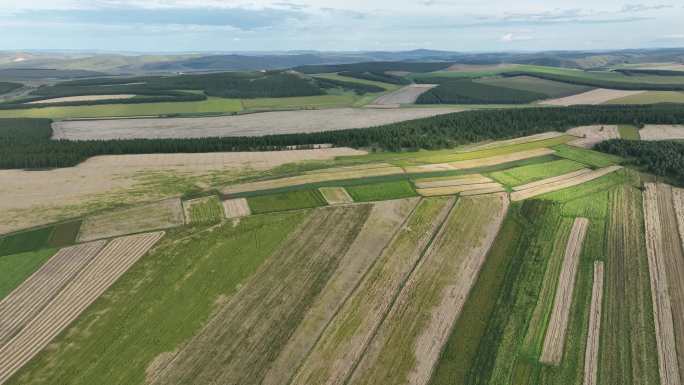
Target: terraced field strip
column 358, row 167
column 312, row 178
column 239, row 343
column 558, row 183
column 236, row 208
column 678, row 200
column 385, row 219
column 501, row 159
column 524, row 139
column 154, row 216
column 105, row 268
column 341, row 346
column 477, row 188
column 597, row 96
column 429, row 168
column 592, row 349
column 554, row 341
column 662, row 304
column 335, row 195
column 451, row 181
column 554, row 179
column 408, row 344
column 592, row 135
column 203, row 210
column 29, row 298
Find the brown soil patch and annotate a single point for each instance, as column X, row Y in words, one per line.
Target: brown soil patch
column 661, row 132
column 592, row 348
column 335, row 195
column 592, row 135
column 236, row 208
column 597, row 96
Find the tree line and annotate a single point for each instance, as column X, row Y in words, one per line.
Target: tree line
column 600, row 83
column 663, row 158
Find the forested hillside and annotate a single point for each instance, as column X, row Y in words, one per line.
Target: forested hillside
column 664, row 158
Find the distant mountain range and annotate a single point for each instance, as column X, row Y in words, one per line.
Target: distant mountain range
column 170, row 63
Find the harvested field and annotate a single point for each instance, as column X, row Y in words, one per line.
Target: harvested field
column 591, row 135
column 451, row 181
column 83, row 98
column 597, row 96
column 407, row 345
column 661, row 132
column 521, row 140
column 483, row 191
column 500, row 159
column 462, row 189
column 257, row 124
column 555, row 334
column 153, row 216
column 429, row 168
column 203, row 210
column 405, row 95
column 33, row 198
column 335, row 195
column 246, row 334
column 344, row 341
column 559, row 183
column 385, row 219
column 678, row 200
column 106, row 267
column 664, row 258
column 236, row 208
column 29, row 298
column 592, row 349
column 358, row 167
column 311, row 178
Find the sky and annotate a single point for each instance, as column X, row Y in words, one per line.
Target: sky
column 339, row 25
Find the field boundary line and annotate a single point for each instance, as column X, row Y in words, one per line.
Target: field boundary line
column 594, row 333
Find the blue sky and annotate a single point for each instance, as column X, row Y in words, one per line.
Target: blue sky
column 336, row 25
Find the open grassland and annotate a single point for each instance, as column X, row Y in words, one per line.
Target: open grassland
column 554, row 341
column 64, row 308
column 335, row 76
column 598, row 78
column 628, row 132
column 344, row 341
column 559, row 183
column 550, row 88
column 381, row 191
column 292, row 200
column 408, row 343
column 662, row 132
column 591, row 135
column 154, row 216
column 650, row 97
column 664, row 255
column 527, row 174
column 236, row 208
column 588, row 157
column 335, row 195
column 203, row 210
column 270, row 306
column 211, row 105
column 592, row 349
column 33, row 294
column 458, row 180
column 627, row 358
column 384, row 220
column 597, row 96
column 404, row 95
column 173, row 291
column 25, row 241
column 15, row 268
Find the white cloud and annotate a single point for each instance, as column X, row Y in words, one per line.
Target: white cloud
column 511, row 37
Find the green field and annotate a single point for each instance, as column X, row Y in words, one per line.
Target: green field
column 205, row 210
column 65, row 234
column 28, row 240
column 521, row 175
column 629, row 132
column 211, row 105
column 381, row 191
column 550, row 88
column 160, row 303
column 15, row 268
column 651, row 97
column 291, row 200
column 342, row 99
column 335, row 76
column 588, row 157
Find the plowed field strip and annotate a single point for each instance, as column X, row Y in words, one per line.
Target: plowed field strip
column 554, row 341
column 543, row 188
column 238, row 345
column 103, row 270
column 386, row 218
column 408, row 343
column 592, row 349
column 455, row 181
column 342, row 344
column 662, row 307
column 33, row 294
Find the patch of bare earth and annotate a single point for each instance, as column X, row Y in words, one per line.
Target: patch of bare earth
column 404, row 95
column 554, row 341
column 592, row 135
column 592, row 348
column 383, row 222
column 661, row 132
column 257, row 124
column 239, row 343
column 335, row 195
column 31, row 198
column 597, row 96
column 83, row 98
column 236, row 208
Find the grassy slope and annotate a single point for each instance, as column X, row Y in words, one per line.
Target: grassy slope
column 552, row 89
column 526, row 174
column 291, row 200
column 588, row 157
column 651, row 97
column 14, row 269
column 629, row 132
column 381, row 191
column 24, row 241
column 334, row 76
column 172, row 292
column 206, row 211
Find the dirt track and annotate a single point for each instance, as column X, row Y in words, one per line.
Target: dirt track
column 263, row 123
